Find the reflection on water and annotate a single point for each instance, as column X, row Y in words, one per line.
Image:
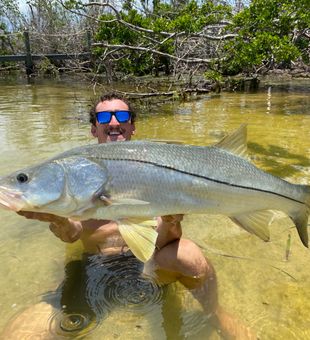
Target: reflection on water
column 258, row 282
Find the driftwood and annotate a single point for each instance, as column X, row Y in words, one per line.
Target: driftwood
column 174, row 93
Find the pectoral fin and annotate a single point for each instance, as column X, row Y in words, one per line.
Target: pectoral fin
column 140, row 238
column 256, row 223
column 123, row 201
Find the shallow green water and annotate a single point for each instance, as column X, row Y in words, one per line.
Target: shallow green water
column 256, row 282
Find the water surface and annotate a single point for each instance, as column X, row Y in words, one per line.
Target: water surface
column 257, row 282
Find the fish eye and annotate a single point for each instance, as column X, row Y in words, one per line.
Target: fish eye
column 22, row 178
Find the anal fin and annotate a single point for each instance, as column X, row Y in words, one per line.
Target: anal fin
column 256, row 223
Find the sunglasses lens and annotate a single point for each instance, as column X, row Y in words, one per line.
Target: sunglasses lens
column 104, row 117
column 122, row 116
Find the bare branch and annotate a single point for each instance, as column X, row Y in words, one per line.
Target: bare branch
column 213, row 37
column 169, row 35
column 147, row 49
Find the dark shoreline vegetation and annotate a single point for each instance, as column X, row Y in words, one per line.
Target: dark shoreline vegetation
column 173, row 49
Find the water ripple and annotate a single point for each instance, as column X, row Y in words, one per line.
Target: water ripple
column 119, row 283
column 63, row 325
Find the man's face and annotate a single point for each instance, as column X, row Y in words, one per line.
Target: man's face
column 112, row 131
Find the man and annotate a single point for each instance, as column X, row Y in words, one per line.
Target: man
column 175, row 259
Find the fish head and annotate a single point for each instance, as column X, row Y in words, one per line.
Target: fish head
column 32, row 188
column 64, row 187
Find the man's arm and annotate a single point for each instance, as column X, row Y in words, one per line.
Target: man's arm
column 169, row 229
column 64, row 228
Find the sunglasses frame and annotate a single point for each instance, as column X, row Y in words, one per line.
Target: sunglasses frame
column 114, row 113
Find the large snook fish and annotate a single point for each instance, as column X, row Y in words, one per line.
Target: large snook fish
column 139, row 180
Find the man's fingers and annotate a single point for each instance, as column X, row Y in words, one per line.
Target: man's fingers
column 172, row 218
column 38, row 216
column 66, row 232
column 54, row 229
column 178, row 217
column 27, row 214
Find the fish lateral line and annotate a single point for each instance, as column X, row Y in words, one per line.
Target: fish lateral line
column 203, row 177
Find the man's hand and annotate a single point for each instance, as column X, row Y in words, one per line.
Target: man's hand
column 65, row 229
column 172, row 219
column 169, row 229
column 68, row 230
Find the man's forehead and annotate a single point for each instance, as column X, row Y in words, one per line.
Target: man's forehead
column 114, row 104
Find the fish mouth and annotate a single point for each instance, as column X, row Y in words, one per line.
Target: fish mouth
column 10, row 199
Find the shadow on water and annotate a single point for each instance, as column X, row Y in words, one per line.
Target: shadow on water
column 271, row 159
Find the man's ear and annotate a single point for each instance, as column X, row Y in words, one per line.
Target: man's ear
column 133, row 128
column 94, row 131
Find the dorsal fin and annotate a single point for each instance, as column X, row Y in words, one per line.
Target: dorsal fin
column 235, row 142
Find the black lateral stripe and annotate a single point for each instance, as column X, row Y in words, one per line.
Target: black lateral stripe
column 203, row 177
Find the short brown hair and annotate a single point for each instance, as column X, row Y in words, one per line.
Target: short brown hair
column 106, row 97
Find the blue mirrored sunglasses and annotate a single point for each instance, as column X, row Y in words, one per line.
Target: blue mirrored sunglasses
column 104, row 117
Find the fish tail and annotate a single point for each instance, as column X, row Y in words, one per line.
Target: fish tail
column 307, row 193
column 300, row 218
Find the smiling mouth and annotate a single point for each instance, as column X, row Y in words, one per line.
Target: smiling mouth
column 114, row 133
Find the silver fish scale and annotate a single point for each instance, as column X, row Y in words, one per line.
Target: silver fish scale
column 205, row 162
